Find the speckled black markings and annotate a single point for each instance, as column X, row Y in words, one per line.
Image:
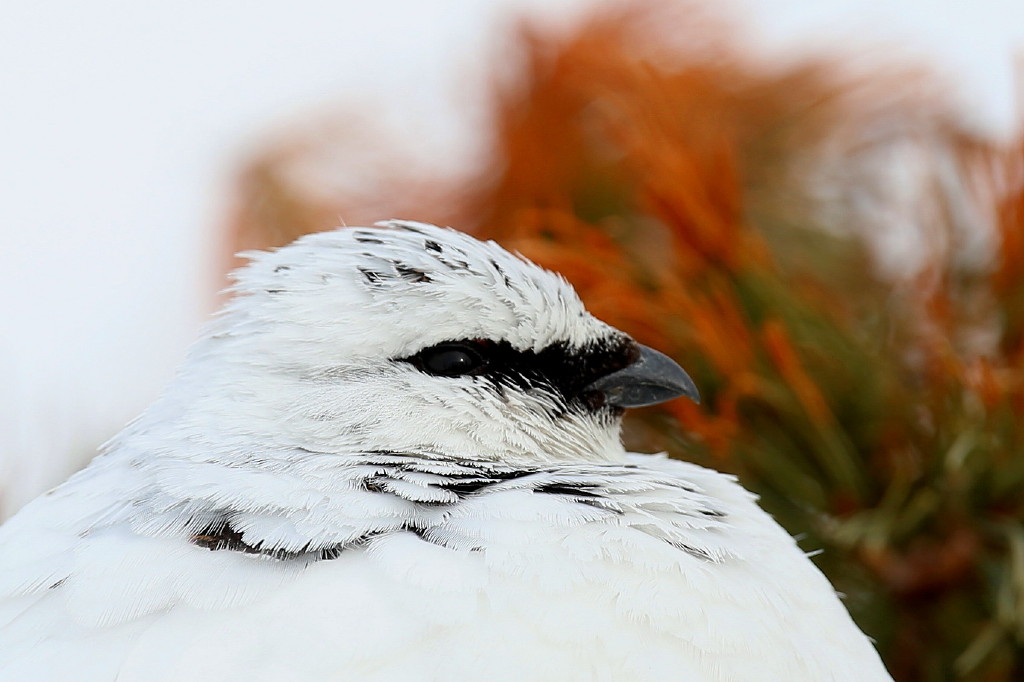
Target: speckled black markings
column 373, row 484
column 695, row 552
column 464, row 480
column 497, row 269
column 580, row 493
column 371, row 276
column 454, row 264
column 451, row 258
column 364, row 238
column 221, row 535
column 468, row 485
column 409, row 228
column 411, row 274
column 572, row 490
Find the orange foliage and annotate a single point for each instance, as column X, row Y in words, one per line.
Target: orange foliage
column 780, row 350
column 728, row 215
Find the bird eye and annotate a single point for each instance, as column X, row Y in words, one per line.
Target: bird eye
column 451, row 360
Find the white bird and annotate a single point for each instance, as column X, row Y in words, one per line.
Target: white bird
column 396, row 455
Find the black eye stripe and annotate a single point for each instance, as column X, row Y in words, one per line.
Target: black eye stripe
column 560, row 369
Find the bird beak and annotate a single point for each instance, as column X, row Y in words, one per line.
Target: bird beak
column 652, row 379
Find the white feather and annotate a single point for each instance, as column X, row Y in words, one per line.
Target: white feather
column 301, row 504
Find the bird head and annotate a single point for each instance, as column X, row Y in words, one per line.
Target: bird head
column 407, row 337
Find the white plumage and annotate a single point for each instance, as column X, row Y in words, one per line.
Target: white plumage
column 395, row 456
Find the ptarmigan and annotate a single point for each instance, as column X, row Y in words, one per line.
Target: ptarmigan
column 395, row 456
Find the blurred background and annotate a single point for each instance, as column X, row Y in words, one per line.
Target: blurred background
column 816, row 207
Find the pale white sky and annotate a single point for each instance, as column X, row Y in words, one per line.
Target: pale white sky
column 974, row 42
column 122, row 121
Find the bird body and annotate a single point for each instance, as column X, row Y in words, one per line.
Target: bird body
column 396, row 456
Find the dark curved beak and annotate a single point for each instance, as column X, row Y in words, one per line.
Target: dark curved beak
column 652, row 379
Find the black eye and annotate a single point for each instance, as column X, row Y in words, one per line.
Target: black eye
column 451, row 360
